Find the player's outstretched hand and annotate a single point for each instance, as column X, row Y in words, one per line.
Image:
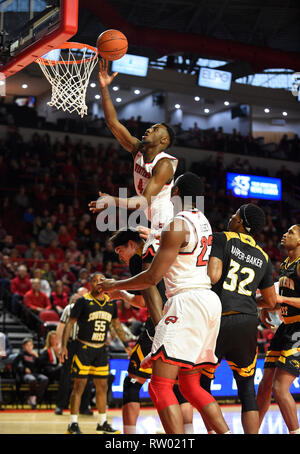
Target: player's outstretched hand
column 104, row 201
column 104, row 78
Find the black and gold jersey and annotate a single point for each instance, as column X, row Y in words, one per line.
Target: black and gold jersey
column 289, row 285
column 135, row 267
column 94, row 317
column 246, row 268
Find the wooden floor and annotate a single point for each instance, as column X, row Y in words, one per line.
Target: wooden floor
column 46, row 422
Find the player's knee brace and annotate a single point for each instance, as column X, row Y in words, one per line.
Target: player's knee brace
column 246, row 392
column 131, row 390
column 189, row 386
column 161, row 392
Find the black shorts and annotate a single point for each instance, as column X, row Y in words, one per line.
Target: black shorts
column 140, row 351
column 284, row 349
column 90, row 361
column 237, row 343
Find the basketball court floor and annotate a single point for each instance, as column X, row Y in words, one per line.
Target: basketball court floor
column 46, row 422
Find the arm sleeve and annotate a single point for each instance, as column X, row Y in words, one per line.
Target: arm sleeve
column 218, row 245
column 267, row 279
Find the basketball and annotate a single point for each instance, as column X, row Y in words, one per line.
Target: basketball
column 112, row 45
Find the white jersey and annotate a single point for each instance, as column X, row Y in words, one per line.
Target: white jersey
column 161, row 209
column 189, row 270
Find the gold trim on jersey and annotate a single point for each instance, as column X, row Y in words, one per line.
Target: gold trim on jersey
column 244, row 371
column 287, row 263
column 140, row 355
column 89, row 296
column 286, row 353
column 247, row 239
column 293, row 319
column 230, row 313
column 272, row 356
column 90, row 344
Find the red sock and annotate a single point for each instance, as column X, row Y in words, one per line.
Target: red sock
column 161, row 392
column 190, row 388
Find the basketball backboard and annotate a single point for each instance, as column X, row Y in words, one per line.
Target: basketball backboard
column 31, row 28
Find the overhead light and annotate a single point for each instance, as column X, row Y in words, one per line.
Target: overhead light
column 266, row 110
column 197, row 98
column 137, row 92
column 226, row 103
column 24, row 86
column 284, row 114
column 119, row 99
column 97, row 96
column 92, row 84
column 115, row 88
column 177, row 106
column 206, row 110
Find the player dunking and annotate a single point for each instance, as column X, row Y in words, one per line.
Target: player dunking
column 186, row 335
column 153, row 178
column 282, row 363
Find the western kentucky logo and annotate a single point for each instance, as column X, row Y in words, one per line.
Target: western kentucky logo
column 171, row 319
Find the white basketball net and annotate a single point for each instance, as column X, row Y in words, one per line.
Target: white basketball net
column 69, row 75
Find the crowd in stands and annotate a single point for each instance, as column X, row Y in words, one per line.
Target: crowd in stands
column 49, row 242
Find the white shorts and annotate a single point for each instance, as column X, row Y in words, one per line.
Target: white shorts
column 186, row 335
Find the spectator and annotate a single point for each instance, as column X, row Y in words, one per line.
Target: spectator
column 64, row 237
column 21, row 198
column 66, row 275
column 36, row 300
column 47, row 273
column 55, row 251
column 20, row 285
column 46, row 235
column 27, row 371
column 49, row 358
column 33, row 251
column 72, row 252
column 7, row 272
column 59, row 298
column 96, row 255
column 44, row 284
column 83, row 280
column 8, row 244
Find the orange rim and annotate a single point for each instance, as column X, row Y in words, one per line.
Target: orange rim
column 69, row 45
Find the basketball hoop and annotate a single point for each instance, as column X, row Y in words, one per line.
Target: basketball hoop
column 68, row 69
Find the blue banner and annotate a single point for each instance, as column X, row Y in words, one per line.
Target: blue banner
column 254, row 187
column 222, row 386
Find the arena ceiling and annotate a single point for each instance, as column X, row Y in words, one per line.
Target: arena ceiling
column 250, row 35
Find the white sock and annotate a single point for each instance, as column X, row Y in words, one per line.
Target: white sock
column 228, row 432
column 211, row 432
column 297, row 431
column 101, row 418
column 73, row 418
column 188, row 429
column 129, row 429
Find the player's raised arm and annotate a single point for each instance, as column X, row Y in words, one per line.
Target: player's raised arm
column 120, row 132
